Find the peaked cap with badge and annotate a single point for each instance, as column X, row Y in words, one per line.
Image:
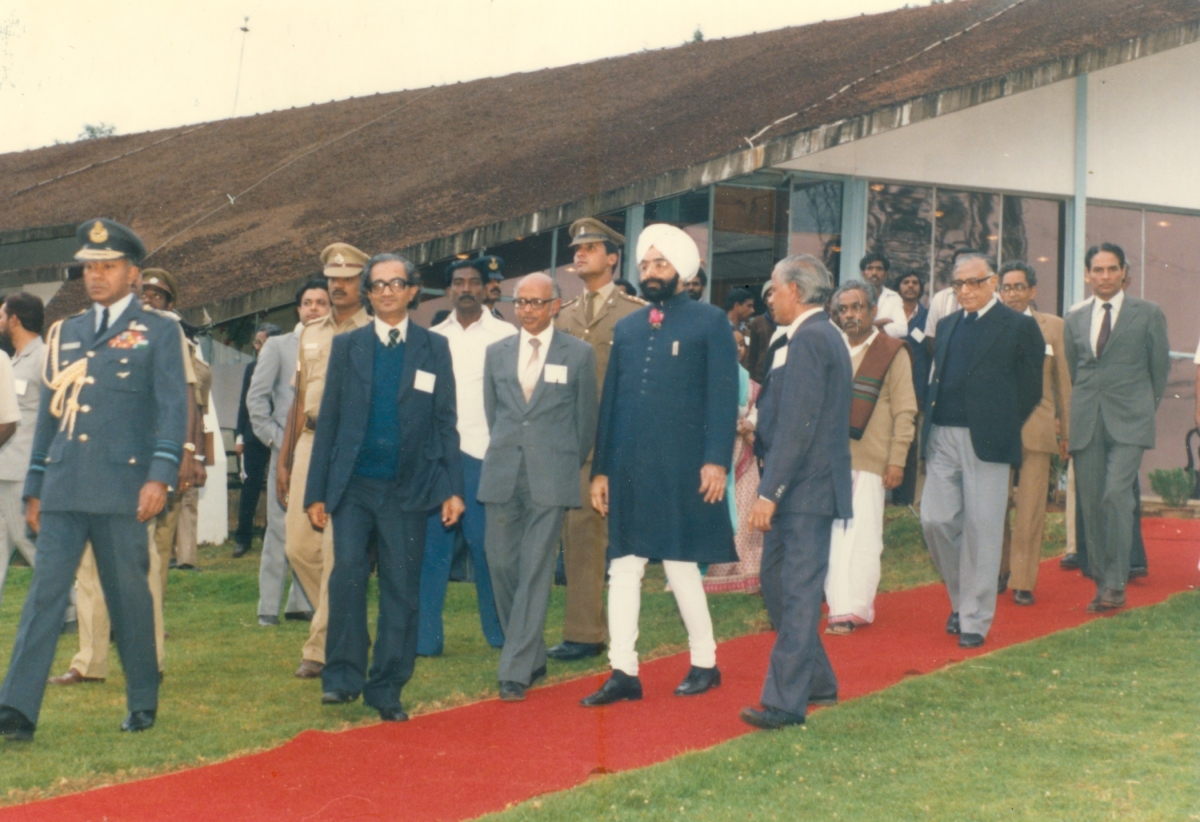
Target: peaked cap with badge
column 163, row 280
column 103, row 239
column 591, row 230
column 343, row 260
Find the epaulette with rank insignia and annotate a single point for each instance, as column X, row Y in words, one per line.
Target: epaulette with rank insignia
column 570, row 302
column 620, row 292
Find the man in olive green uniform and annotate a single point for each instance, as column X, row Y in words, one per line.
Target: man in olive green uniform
column 590, row 317
column 309, row 551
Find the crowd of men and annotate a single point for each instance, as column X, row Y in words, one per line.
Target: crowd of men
column 605, row 425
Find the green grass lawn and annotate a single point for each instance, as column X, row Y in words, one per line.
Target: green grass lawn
column 229, row 687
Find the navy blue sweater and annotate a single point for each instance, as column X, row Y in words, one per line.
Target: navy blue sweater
column 951, row 407
column 380, row 454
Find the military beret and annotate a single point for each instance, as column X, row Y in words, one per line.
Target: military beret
column 591, row 230
column 343, row 260
column 162, row 280
column 102, row 239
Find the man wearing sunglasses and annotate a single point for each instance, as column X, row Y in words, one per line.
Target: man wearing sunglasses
column 987, row 379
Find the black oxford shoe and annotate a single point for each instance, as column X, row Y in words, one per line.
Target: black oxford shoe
column 540, row 673
column 512, row 692
column 1069, row 562
column 952, row 626
column 827, row 701
column 1022, row 597
column 970, row 640
column 393, row 714
column 619, row 686
column 138, row 721
column 337, row 697
column 699, row 680
column 770, row 719
column 15, row 725
column 567, row 651
column 1002, row 583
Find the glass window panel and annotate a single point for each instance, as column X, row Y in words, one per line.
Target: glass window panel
column 900, row 225
column 1176, row 416
column 1173, row 274
column 816, row 222
column 688, row 211
column 1033, row 230
column 965, row 219
column 748, row 235
column 1123, row 226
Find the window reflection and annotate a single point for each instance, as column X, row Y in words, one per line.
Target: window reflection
column 964, row 219
column 900, row 225
column 816, row 222
column 1122, row 226
column 1032, row 229
column 749, row 235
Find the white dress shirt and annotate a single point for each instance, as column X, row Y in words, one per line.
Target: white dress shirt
column 854, row 349
column 115, row 310
column 985, row 309
column 527, row 374
column 942, row 304
column 1098, row 315
column 383, row 330
column 467, row 349
column 890, row 306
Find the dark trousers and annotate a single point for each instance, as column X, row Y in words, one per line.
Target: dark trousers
column 368, row 508
column 256, row 460
column 794, row 562
column 522, row 542
column 1137, row 550
column 439, row 556
column 122, row 551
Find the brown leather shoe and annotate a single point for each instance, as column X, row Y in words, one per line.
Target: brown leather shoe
column 73, row 677
column 309, row 669
column 1107, row 601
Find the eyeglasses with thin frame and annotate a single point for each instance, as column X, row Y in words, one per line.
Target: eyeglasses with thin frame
column 395, row 286
column 1018, row 288
column 531, row 302
column 660, row 264
column 972, row 283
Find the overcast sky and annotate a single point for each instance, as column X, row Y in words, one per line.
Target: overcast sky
column 147, row 64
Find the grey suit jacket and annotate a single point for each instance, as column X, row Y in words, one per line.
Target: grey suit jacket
column 554, row 431
column 272, row 387
column 1126, row 384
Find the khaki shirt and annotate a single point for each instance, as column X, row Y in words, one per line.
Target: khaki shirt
column 609, row 308
column 316, row 341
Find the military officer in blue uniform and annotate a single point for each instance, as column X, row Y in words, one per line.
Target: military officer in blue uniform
column 106, row 450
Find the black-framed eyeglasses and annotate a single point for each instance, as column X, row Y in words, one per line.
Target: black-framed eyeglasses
column 534, row 303
column 395, row 286
column 972, row 283
column 1019, row 288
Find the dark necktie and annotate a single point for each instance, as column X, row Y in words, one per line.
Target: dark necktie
column 393, row 338
column 1105, row 330
column 103, row 322
column 972, row 317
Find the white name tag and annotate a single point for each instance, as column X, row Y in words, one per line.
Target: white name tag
column 69, row 346
column 424, row 381
column 311, row 346
column 918, row 335
column 1049, row 350
column 555, row 374
column 21, row 387
column 780, row 358
column 675, row 349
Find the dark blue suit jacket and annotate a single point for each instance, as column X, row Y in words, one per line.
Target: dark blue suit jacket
column 804, row 424
column 430, row 469
column 1004, row 381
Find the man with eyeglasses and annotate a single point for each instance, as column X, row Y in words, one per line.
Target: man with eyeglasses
column 385, row 454
column 310, row 549
column 469, row 330
column 1045, row 433
column 668, row 418
column 987, row 379
column 541, row 399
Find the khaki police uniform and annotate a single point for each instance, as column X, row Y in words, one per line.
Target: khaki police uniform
column 176, row 527
column 585, row 532
column 309, row 551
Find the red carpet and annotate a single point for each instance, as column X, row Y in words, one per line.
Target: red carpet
column 462, row 763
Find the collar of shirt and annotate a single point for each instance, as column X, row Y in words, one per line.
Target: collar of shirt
column 985, row 309
column 543, row 339
column 796, row 323
column 487, row 321
column 1098, row 308
column 382, row 329
column 854, row 349
column 115, row 310
column 605, row 291
column 356, row 320
column 296, row 331
column 33, row 348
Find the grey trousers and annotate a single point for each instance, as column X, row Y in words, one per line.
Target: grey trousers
column 273, row 566
column 1105, row 474
column 121, row 547
column 12, row 528
column 962, row 515
column 521, row 542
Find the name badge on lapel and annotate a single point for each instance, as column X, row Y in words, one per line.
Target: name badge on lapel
column 424, row 381
column 1049, row 350
column 918, row 335
column 555, row 374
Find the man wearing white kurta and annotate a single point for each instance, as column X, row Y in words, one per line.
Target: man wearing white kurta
column 889, row 306
column 880, row 437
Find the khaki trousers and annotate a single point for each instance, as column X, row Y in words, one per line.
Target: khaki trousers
column 186, row 531
column 1023, row 536
column 1070, row 512
column 92, row 613
column 309, row 551
column 585, row 548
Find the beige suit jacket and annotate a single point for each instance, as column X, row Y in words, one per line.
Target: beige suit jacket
column 1040, row 432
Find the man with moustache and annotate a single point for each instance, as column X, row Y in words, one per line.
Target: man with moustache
column 696, row 285
column 494, row 276
column 310, row 549
column 469, row 330
column 385, row 454
column 668, row 417
column 592, row 317
column 889, row 309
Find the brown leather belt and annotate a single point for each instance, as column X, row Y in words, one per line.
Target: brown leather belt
column 310, row 424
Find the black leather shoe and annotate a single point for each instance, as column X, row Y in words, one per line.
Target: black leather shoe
column 970, row 640
column 1023, row 597
column 1002, row 583
column 699, row 680
column 299, row 616
column 567, row 651
column 770, row 719
column 1142, row 571
column 619, row 686
column 240, row 549
column 1107, row 601
column 512, row 692
column 823, row 701
column 138, row 721
column 540, row 673
column 337, row 697
column 15, row 725
column 952, row 626
column 393, row 714
column 1069, row 562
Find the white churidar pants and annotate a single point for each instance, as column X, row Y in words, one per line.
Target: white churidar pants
column 854, row 551
column 625, row 605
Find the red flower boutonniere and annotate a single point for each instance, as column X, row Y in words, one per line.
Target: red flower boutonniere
column 656, row 317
